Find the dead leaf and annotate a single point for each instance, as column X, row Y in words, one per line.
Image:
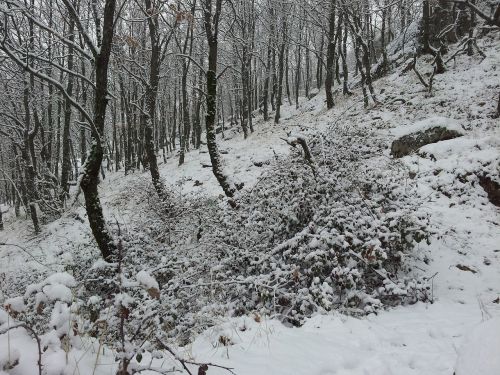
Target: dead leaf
column 224, row 340
column 39, row 308
column 154, row 293
column 462, row 267
column 256, row 317
column 202, row 370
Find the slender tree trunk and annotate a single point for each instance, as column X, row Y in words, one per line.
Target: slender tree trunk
column 281, row 62
column 211, row 22
column 330, row 55
column 287, row 76
column 265, row 98
column 319, row 66
column 66, row 155
column 92, row 166
column 245, row 105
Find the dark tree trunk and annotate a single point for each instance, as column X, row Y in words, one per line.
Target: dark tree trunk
column 245, row 105
column 308, row 69
column 281, row 71
column 66, row 152
column 275, row 81
column 83, row 132
column 330, row 55
column 343, row 55
column 287, row 76
column 265, row 96
column 297, row 74
column 497, row 115
column 211, row 23
column 188, row 43
column 90, row 176
column 426, row 27
column 319, row 66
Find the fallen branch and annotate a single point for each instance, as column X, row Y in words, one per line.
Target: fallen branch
column 412, row 65
column 294, row 140
column 463, row 46
column 202, row 367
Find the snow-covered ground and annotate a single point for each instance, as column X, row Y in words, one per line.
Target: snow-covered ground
column 463, row 256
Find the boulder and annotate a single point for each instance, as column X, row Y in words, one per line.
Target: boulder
column 409, row 143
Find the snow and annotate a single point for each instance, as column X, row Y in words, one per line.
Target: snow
column 15, row 304
column 57, row 292
column 420, row 339
column 459, row 331
column 480, row 354
column 56, row 287
column 425, row 124
column 146, row 280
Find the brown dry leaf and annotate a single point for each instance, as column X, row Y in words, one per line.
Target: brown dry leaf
column 154, row 293
column 124, row 312
column 202, row 370
column 11, row 311
column 296, row 275
column 224, row 340
column 39, row 308
column 462, row 267
column 256, row 317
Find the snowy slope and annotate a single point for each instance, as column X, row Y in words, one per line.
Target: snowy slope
column 423, row 338
column 463, row 257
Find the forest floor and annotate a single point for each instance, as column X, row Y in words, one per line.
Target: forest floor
column 463, row 257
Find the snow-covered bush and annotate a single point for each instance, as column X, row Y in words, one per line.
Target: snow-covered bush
column 302, row 240
column 47, row 313
column 299, row 242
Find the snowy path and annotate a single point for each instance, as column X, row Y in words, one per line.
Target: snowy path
column 421, row 339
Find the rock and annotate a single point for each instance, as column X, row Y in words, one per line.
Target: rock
column 409, row 143
column 492, row 188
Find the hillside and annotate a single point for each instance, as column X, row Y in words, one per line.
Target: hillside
column 442, row 188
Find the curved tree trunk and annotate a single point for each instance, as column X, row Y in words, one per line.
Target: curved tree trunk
column 211, row 22
column 92, row 167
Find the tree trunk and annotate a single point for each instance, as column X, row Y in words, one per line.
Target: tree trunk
column 211, row 22
column 281, row 62
column 92, row 166
column 265, row 96
column 66, row 162
column 330, row 58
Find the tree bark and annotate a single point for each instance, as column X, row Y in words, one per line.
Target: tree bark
column 330, row 55
column 66, row 162
column 92, row 166
column 211, row 23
